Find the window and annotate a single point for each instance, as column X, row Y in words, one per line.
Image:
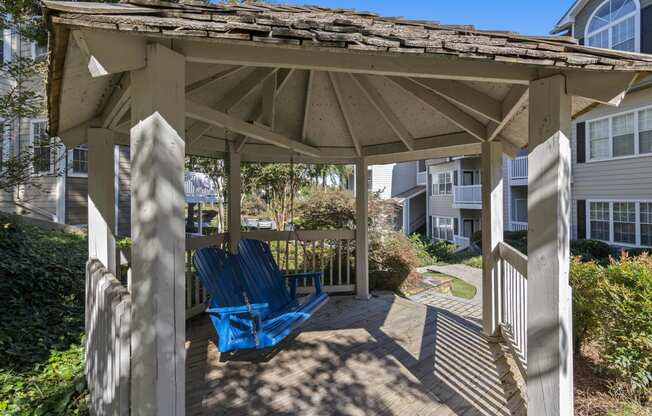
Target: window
column 41, row 148
column 621, row 135
column 645, row 131
column 519, row 211
column 614, row 25
column 80, row 159
column 39, row 51
column 646, row 224
column 421, row 166
column 442, row 183
column 442, row 228
column 599, row 215
column 624, row 222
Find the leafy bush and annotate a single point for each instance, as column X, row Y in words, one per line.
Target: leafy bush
column 41, row 320
column 327, row 210
column 421, row 248
column 392, row 261
column 516, row 239
column 613, row 307
column 441, row 250
column 590, row 250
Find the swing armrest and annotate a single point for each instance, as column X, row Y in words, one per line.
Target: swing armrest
column 236, row 310
column 294, row 278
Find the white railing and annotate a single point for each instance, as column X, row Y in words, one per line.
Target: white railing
column 422, row 178
column 513, row 288
column 461, row 241
column 108, row 341
column 518, row 168
column 519, row 226
column 331, row 251
column 467, row 194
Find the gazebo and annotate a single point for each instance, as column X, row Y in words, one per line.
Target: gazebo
column 268, row 82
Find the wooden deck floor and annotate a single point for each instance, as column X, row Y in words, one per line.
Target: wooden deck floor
column 386, row 356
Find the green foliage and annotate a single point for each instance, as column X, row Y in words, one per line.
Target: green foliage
column 392, row 261
column 41, row 320
column 421, row 247
column 473, row 261
column 589, row 250
column 516, row 239
column 613, row 308
column 57, row 387
column 326, row 209
column 442, row 251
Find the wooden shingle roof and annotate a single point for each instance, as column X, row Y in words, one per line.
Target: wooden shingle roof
column 319, row 27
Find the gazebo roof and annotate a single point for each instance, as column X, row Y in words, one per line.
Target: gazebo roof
column 345, row 83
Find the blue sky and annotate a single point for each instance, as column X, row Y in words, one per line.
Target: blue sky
column 525, row 16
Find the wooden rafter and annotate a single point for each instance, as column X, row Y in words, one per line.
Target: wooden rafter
column 444, row 107
column 384, row 109
column 118, row 104
column 222, row 119
column 306, row 108
column 465, row 96
column 206, row 82
column 345, row 110
column 515, row 100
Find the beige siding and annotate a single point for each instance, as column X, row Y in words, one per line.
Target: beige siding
column 442, row 205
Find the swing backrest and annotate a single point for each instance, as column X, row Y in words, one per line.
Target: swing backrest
column 264, row 281
column 219, row 274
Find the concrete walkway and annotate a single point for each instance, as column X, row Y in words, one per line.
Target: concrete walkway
column 461, row 271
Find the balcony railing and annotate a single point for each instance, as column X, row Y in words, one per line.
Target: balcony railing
column 467, row 195
column 518, row 168
column 519, row 226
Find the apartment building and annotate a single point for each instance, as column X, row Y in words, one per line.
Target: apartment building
column 612, row 146
column 405, row 183
column 611, row 172
column 454, row 201
column 60, row 176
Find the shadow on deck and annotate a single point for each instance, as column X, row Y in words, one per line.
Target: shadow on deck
column 387, row 356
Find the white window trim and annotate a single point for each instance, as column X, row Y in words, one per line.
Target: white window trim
column 435, row 226
column 637, row 25
column 70, row 156
column 435, row 183
column 611, row 241
column 32, row 122
column 610, row 117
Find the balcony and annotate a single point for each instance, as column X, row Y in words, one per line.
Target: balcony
column 467, row 197
column 518, row 171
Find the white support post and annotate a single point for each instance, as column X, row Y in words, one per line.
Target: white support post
column 101, row 204
column 492, row 233
column 158, row 234
column 234, row 188
column 550, row 350
column 361, row 230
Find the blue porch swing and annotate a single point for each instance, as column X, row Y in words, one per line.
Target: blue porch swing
column 250, row 305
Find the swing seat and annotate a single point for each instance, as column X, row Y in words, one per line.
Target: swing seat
column 266, row 316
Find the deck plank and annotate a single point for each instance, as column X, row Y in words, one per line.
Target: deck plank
column 386, row 356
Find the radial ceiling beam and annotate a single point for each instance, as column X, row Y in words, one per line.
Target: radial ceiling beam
column 465, row 96
column 118, row 103
column 232, row 97
column 454, row 144
column 345, row 110
column 282, row 78
column 221, row 119
column 384, row 109
column 306, row 108
column 208, row 81
column 442, row 106
column 515, row 100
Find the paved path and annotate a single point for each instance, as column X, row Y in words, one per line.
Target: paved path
column 461, row 271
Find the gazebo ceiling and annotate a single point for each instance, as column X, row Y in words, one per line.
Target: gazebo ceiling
column 330, row 84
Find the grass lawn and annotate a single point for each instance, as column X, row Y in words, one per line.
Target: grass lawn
column 459, row 289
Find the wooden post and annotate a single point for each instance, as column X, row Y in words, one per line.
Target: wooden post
column 361, row 230
column 234, row 189
column 101, row 198
column 550, row 350
column 492, row 233
column 158, row 234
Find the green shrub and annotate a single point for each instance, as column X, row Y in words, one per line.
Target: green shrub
column 613, row 307
column 392, row 261
column 41, row 320
column 516, row 239
column 421, row 247
column 590, row 250
column 327, row 210
column 442, row 251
